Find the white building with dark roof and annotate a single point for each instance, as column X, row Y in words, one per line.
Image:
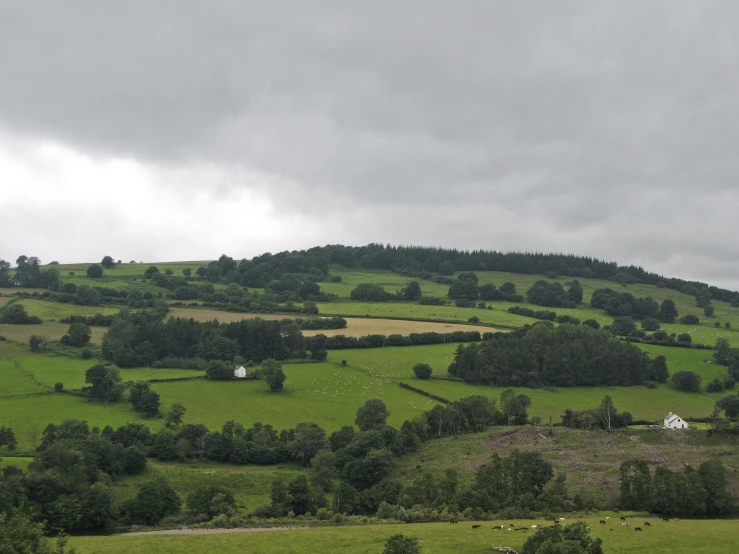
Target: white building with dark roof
column 674, row 421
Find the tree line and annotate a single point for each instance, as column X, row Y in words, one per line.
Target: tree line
column 563, row 356
column 702, row 492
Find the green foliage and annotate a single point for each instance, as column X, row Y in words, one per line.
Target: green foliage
column 667, row 310
column 369, row 292
column 143, row 399
column 372, row 415
column 155, row 500
column 309, row 440
column 95, row 271
column 79, row 335
column 174, row 415
column 558, row 539
column 400, row 544
column 105, row 383
column 422, row 371
column 274, row 376
column 19, row 534
column 211, row 500
column 17, row 315
column 545, row 293
column 687, row 381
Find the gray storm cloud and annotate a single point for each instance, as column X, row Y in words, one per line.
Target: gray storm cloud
column 601, row 128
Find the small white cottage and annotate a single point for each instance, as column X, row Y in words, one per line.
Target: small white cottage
column 239, row 372
column 674, row 421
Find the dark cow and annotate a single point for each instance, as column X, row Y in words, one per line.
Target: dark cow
column 647, row 524
column 623, row 518
column 637, row 528
column 665, row 519
column 602, row 522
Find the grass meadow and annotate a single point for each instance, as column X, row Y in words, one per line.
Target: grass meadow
column 54, row 311
column 55, row 331
column 249, row 484
column 674, row 537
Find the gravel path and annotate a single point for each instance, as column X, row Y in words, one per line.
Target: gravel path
column 212, row 531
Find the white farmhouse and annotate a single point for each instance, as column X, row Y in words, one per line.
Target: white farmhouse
column 674, row 421
column 239, row 372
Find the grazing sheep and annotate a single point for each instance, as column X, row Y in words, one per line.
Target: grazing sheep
column 608, row 517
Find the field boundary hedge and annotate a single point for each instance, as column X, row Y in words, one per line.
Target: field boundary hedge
column 424, row 393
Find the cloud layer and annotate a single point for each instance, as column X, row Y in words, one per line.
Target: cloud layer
column 597, row 128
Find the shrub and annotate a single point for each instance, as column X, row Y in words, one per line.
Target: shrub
column 422, row 371
column 715, row 386
column 474, row 319
column 690, row 319
column 400, row 544
column 687, row 381
column 58, row 387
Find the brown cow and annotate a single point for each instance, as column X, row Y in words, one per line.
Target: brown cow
column 476, row 526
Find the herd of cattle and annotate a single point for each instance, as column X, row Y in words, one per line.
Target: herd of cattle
column 557, row 521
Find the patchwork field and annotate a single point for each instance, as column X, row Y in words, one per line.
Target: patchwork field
column 674, row 537
column 54, row 311
column 54, row 331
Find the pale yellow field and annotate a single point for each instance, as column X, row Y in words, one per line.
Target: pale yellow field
column 359, row 327
column 55, row 331
column 356, row 326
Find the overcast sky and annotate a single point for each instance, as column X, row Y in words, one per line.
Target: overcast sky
column 182, row 129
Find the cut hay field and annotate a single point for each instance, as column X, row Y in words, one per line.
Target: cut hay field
column 674, row 537
column 4, row 300
column 54, row 331
column 358, row 327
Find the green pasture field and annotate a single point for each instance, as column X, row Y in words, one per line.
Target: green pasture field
column 688, row 359
column 249, row 484
column 17, row 461
column 54, row 331
column 324, row 393
column 54, row 311
column 13, row 381
column 129, row 270
column 396, row 363
column 674, row 537
column 71, row 372
column 22, row 414
column 392, row 310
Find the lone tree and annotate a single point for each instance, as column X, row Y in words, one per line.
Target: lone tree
column 108, row 262
column 687, row 381
column 422, row 371
column 78, row 334
column 174, row 415
column 668, row 311
column 105, row 383
column 95, row 271
column 400, row 544
column 372, row 415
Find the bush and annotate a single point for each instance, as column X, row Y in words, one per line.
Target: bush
column 650, row 324
column 687, row 381
column 715, row 386
column 592, row 323
column 400, row 544
column 422, row 371
column 729, row 382
column 95, row 271
column 690, row 319
column 474, row 319
column 58, row 387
